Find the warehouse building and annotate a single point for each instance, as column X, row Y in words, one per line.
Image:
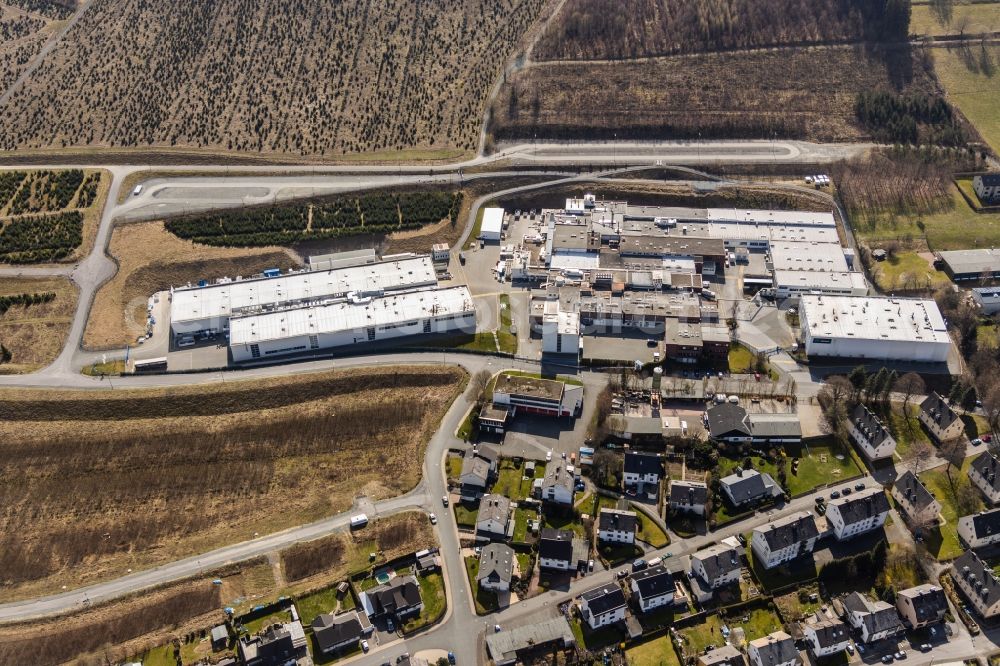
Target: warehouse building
column 829, row 257
column 792, row 284
column 964, row 265
column 492, row 226
column 874, row 327
column 351, row 321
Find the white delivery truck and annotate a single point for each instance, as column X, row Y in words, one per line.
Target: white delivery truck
column 359, row 521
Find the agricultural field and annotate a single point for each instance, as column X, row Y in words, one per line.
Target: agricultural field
column 414, row 79
column 958, row 18
column 969, row 75
column 151, row 259
column 35, row 318
column 85, row 504
column 758, row 94
column 25, row 25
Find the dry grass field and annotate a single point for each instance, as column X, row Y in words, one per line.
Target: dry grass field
column 35, row 335
column 25, row 25
column 92, row 485
column 151, row 259
column 794, row 93
column 270, row 77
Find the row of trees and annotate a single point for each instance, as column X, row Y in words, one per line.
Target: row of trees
column 46, row 191
column 24, row 300
column 28, row 240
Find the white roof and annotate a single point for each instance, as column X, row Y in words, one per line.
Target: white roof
column 873, row 318
column 347, row 316
column 794, row 256
column 820, row 280
column 492, row 221
column 793, row 217
column 222, row 300
column 563, row 260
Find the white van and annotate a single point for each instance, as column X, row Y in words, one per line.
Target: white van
column 137, row 191
column 655, row 561
column 359, row 521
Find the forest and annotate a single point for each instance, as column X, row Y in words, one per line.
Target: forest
column 29, row 240
column 908, row 119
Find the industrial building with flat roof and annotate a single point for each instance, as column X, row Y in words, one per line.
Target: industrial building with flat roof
column 874, row 327
column 791, row 256
column 789, row 284
column 962, row 265
column 492, row 224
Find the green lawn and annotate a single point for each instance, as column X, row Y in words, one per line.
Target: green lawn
column 794, row 608
column 561, row 522
column 596, row 640
column 532, row 375
column 818, row 464
column 801, row 570
column 486, row 600
column 465, row 515
column 650, row 532
column 741, row 359
column 906, row 270
column 508, row 341
column 160, row 656
column 521, row 518
column 432, row 594
column 617, row 553
column 763, row 621
column 511, row 481
column 454, row 466
column 477, row 228
column 695, row 639
column 971, row 86
column 975, row 425
column 905, row 428
column 524, row 563
column 359, row 556
column 656, row 652
column 988, row 336
column 483, row 341
column 317, row 603
column 942, row 542
column 975, row 18
column 253, row 626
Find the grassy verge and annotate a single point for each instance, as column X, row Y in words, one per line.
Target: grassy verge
column 432, row 594
column 507, row 339
column 486, row 600
column 741, row 359
column 99, row 369
column 649, row 532
column 465, row 514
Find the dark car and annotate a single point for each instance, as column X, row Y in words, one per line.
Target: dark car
column 639, row 564
column 859, row 486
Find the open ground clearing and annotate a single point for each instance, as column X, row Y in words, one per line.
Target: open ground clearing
column 750, row 95
column 965, row 19
column 85, row 501
column 151, row 259
column 907, row 270
column 34, row 334
column 972, row 83
column 415, row 76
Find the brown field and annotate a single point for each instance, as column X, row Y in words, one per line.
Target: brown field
column 806, row 93
column 272, row 77
column 35, row 335
column 151, row 259
column 24, row 28
column 84, row 500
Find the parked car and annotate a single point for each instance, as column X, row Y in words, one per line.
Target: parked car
column 405, row 655
column 496, row 628
column 623, row 573
column 859, row 486
column 850, row 648
column 364, row 645
column 887, row 659
column 977, row 441
column 639, row 564
column 590, row 565
column 390, row 625
column 845, row 492
column 835, row 494
column 433, row 518
column 451, row 657
column 742, row 539
column 548, row 456
column 926, row 647
column 900, row 654
column 444, row 500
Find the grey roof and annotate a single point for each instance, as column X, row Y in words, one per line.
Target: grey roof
column 643, row 463
column 987, row 292
column 749, row 485
column 653, row 582
column 616, row 520
column 865, row 421
column 727, row 418
column 914, row 491
column 938, row 411
column 555, row 544
column 604, row 599
column 829, row 632
column 864, row 505
column 476, row 466
column 986, row 523
column 989, row 468
column 775, row 425
column 790, row 530
column 688, row 492
column 220, row 633
column 877, row 616
column 928, row 600
column 990, row 179
column 504, row 645
column 972, row 262
column 977, row 575
column 641, row 425
column 726, row 655
column 496, row 563
column 332, row 630
column 558, row 475
column 493, row 507
column 718, row 560
column 776, row 648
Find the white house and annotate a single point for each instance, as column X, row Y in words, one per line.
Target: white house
column 559, row 484
column 652, row 588
column 777, row 649
column 603, row 606
column 857, row 514
column 478, row 468
column 493, row 516
column 987, row 187
column 912, row 496
column 977, row 583
column 745, row 488
column 985, row 475
column 688, row 497
column 726, row 655
column 785, row 539
column 717, row 566
column 870, row 434
column 940, row 419
column 875, row 620
column 496, row 567
column 826, row 637
column 641, row 469
column 922, row 605
column 555, row 549
column 981, row 529
column 615, row 526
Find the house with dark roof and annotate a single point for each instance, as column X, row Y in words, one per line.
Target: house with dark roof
column 985, row 475
column 917, row 503
column 555, row 549
column 875, row 620
column 977, row 583
column 826, row 636
column 559, row 484
column 616, row 526
column 987, row 188
column 522, row 643
column 731, row 423
column 941, row 421
column 334, row 633
column 785, row 539
column 922, row 605
column 776, row 649
column 603, row 606
column 641, row 470
column 688, row 497
column 981, row 529
column 478, row 470
column 496, row 567
column 277, row 645
column 726, row 655
column 652, row 588
column 717, row 566
column 745, row 488
column 987, row 298
column 870, row 435
column 856, row 514
column 400, row 597
column 493, row 517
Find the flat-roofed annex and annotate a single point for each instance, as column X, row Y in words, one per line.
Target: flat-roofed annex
column 534, row 387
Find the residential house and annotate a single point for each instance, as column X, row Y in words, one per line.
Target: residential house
column 745, row 488
column 496, row 567
column 478, row 470
column 559, row 484
column 917, row 503
column 726, row 655
column 220, row 637
column 870, row 434
column 688, row 497
column 922, row 605
column 856, row 514
column 521, row 643
column 278, row 645
column 981, row 529
column 337, row 632
column 826, row 636
column 987, row 188
column 616, row 526
column 777, row 649
column 718, row 565
column 641, row 470
column 493, row 418
column 785, row 539
column 987, row 298
column 731, row 423
column 985, row 474
column 652, row 588
column 603, row 606
column 875, row 620
column 555, row 549
column 400, row 597
column 493, row 516
column 978, row 584
column 940, row 419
